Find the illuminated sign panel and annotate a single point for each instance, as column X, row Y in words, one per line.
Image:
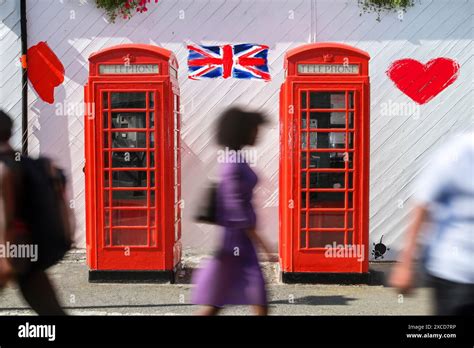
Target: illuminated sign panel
column 112, row 69
column 328, row 68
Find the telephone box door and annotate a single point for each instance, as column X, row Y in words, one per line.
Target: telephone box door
column 129, row 176
column 329, row 125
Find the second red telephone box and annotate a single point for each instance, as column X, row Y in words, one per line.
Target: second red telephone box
column 132, row 142
column 324, row 164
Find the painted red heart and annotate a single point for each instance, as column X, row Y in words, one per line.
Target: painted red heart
column 423, row 82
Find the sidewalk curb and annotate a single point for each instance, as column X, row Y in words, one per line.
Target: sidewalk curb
column 271, row 271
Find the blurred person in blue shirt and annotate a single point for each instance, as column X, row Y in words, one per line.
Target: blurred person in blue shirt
column 444, row 203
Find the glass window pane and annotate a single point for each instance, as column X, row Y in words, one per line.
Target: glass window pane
column 105, row 119
column 152, row 159
column 318, row 120
column 313, row 160
column 350, row 200
column 303, row 200
column 337, row 140
column 332, row 160
column 325, row 239
column 129, row 218
column 302, row 239
column 350, row 142
column 151, row 99
column 326, row 199
column 327, row 100
column 351, row 100
column 128, row 100
column 153, row 236
column 303, row 139
column 303, row 100
column 129, row 179
column 152, row 179
column 105, row 135
column 152, row 119
column 327, row 120
column 129, row 237
column 105, row 100
column 328, row 140
column 303, row 160
column 128, row 119
column 326, row 219
column 350, row 223
column 303, row 119
column 350, row 159
column 350, row 235
column 128, row 159
column 337, row 119
column 152, row 140
column 303, row 219
column 107, row 218
column 106, row 159
column 107, row 236
column 303, row 179
column 106, row 178
column 152, row 199
column 152, row 218
column 129, row 199
column 326, row 180
column 312, row 140
column 129, row 140
column 106, row 198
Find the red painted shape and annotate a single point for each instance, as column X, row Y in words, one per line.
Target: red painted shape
column 45, row 71
column 423, row 82
column 228, row 60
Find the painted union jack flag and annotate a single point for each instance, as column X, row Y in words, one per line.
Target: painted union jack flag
column 242, row 61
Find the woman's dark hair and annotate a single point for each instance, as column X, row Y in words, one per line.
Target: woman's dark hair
column 6, row 125
column 235, row 127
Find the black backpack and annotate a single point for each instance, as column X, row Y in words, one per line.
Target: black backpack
column 43, row 208
column 206, row 211
column 46, row 212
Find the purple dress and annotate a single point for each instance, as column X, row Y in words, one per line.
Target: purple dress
column 233, row 275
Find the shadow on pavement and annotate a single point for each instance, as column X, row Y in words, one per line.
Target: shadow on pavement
column 317, row 300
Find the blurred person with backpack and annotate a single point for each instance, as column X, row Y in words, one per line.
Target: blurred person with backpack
column 34, row 215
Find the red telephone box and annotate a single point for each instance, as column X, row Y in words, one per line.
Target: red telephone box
column 324, row 164
column 132, row 142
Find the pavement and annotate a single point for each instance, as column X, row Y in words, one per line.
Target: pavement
column 79, row 297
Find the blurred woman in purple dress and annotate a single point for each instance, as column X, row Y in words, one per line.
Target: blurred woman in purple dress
column 233, row 276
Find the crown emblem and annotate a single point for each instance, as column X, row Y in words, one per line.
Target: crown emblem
column 328, row 57
column 127, row 59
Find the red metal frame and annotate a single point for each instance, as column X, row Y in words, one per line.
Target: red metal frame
column 162, row 249
column 297, row 254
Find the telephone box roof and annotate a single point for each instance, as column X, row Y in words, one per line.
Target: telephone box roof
column 316, row 47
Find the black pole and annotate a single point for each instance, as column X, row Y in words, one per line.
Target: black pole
column 24, row 79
